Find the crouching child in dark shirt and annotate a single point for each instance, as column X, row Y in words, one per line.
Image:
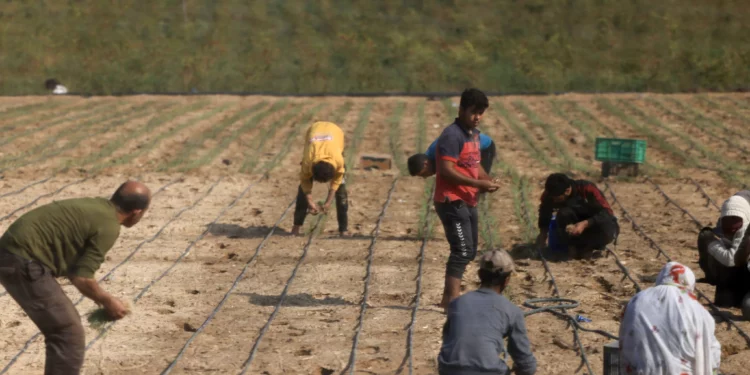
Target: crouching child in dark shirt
column 479, row 321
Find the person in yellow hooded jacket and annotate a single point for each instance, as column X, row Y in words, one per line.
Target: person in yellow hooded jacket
column 322, row 161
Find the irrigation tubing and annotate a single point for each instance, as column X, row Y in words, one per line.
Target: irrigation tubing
column 282, row 297
column 368, row 276
column 623, row 269
column 31, row 340
column 142, row 111
column 229, row 292
column 548, row 271
column 23, row 188
column 561, row 304
column 699, row 188
column 670, row 201
column 661, row 251
column 43, row 196
column 182, row 256
column 409, row 357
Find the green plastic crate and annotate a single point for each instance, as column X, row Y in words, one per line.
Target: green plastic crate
column 620, row 150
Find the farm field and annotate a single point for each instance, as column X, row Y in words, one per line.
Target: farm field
column 218, row 286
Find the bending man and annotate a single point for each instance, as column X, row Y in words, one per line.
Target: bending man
column 322, row 161
column 68, row 238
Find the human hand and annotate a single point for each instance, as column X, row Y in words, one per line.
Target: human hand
column 541, row 239
column 577, row 229
column 313, row 208
column 487, row 185
column 116, row 308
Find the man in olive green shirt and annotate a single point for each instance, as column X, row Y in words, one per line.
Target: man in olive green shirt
column 67, row 238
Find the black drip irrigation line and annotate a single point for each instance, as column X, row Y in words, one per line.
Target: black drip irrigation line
column 670, row 201
column 409, row 357
column 22, row 189
column 655, row 246
column 282, row 297
column 699, row 188
column 548, row 271
column 229, row 292
column 368, row 276
column 31, row 340
column 182, row 256
column 43, row 196
column 624, row 269
column 562, row 304
column 638, row 230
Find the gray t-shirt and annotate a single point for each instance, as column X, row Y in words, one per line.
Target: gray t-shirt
column 473, row 336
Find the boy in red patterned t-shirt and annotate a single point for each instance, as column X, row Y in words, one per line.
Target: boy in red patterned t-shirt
column 459, row 179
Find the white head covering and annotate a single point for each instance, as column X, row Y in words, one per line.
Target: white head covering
column 665, row 330
column 737, row 206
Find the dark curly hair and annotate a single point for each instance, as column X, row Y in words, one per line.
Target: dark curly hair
column 322, row 171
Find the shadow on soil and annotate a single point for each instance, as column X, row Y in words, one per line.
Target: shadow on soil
column 237, row 231
column 298, row 300
column 523, row 251
column 307, row 300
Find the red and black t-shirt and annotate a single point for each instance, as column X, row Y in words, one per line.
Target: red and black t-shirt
column 460, row 146
column 586, row 200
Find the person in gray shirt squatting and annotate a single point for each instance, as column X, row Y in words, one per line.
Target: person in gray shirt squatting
column 479, row 321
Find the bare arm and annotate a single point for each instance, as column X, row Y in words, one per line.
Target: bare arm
column 91, row 289
column 449, row 172
column 329, row 198
column 483, row 174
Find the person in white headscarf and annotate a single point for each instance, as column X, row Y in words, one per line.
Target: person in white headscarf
column 724, row 252
column 666, row 331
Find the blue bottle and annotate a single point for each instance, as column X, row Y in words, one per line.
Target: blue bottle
column 553, row 239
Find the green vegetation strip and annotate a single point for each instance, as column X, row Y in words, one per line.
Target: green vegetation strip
column 561, row 148
column 524, row 134
column 652, row 136
column 85, row 132
column 249, row 125
column 421, row 128
column 359, row 132
column 195, row 143
column 728, row 109
column 427, row 221
column 109, row 148
column 99, row 158
column 711, row 128
column 81, row 113
column 49, row 113
column 589, row 132
column 394, row 138
column 662, row 143
column 251, row 159
column 89, row 120
column 341, row 112
column 23, row 110
column 296, row 128
column 148, row 146
column 708, row 154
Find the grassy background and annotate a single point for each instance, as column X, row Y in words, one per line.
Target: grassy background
column 298, row 46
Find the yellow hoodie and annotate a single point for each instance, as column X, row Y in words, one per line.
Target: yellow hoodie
column 324, row 141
